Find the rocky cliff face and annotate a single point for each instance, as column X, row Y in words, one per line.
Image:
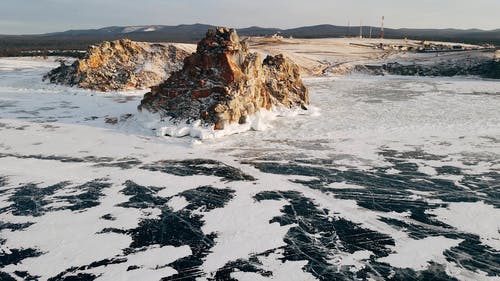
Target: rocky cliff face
column 121, row 65
column 223, row 83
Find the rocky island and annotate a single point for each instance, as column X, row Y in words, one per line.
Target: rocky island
column 223, row 83
column 121, row 65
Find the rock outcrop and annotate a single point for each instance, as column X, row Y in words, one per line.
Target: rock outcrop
column 121, row 65
column 478, row 63
column 223, row 83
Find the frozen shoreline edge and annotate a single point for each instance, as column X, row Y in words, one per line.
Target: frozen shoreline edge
column 260, row 121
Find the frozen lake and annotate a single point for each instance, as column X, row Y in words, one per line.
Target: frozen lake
column 389, row 178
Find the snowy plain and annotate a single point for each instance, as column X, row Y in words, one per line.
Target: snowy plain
column 389, row 178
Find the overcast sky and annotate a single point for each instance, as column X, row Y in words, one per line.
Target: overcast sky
column 38, row 16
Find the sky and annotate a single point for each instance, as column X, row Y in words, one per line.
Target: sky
column 41, row 16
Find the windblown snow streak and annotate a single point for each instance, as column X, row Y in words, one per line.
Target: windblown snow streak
column 397, row 179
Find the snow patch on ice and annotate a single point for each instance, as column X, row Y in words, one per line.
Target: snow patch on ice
column 70, row 235
column 289, row 270
column 151, row 263
column 431, row 171
column 344, row 185
column 416, row 254
column 241, row 233
column 177, row 203
column 354, row 260
column 478, row 218
column 392, row 171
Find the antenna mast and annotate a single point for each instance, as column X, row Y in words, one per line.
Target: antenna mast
column 382, row 28
column 348, row 28
column 361, row 29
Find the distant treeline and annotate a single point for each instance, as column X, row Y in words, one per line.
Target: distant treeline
column 19, row 46
column 70, row 42
column 13, row 52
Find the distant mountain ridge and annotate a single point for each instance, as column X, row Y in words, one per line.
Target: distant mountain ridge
column 190, row 33
column 314, row 31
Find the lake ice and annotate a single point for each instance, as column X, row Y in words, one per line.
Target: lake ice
column 389, row 178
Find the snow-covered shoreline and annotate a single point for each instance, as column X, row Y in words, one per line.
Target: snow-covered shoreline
column 260, row 121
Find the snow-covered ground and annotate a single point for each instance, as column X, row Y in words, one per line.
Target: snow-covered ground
column 338, row 56
column 395, row 178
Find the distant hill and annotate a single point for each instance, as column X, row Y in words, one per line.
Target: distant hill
column 189, row 33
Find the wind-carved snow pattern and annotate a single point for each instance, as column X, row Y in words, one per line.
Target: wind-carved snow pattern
column 397, row 179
